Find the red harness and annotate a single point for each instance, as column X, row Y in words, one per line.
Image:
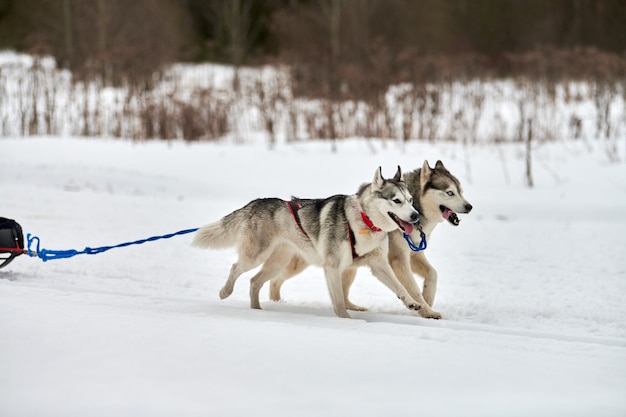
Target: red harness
column 369, row 224
column 294, row 206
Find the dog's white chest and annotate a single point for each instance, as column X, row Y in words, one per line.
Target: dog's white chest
column 369, row 241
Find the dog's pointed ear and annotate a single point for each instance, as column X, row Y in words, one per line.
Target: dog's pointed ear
column 425, row 175
column 399, row 175
column 439, row 164
column 426, row 168
column 378, row 179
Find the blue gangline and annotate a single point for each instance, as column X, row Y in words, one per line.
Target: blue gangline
column 413, row 246
column 49, row 254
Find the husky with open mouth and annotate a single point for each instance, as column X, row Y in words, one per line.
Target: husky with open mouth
column 438, row 196
column 336, row 233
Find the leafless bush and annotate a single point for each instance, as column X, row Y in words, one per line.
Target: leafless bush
column 428, row 98
column 544, row 100
column 4, row 98
column 406, row 102
column 50, row 91
column 214, row 114
column 269, row 95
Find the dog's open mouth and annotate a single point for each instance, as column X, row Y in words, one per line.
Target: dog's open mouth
column 449, row 215
column 405, row 226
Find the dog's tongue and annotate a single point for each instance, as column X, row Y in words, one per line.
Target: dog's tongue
column 447, row 213
column 408, row 227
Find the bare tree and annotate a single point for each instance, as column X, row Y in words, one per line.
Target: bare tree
column 67, row 31
column 331, row 11
column 529, row 138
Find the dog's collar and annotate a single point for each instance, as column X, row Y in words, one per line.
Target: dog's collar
column 369, row 224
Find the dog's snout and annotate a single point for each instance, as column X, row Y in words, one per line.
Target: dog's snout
column 415, row 216
column 468, row 207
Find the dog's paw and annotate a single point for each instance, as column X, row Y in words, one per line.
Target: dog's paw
column 414, row 306
column 354, row 307
column 429, row 313
column 343, row 314
column 410, row 303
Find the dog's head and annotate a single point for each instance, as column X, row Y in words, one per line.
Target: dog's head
column 393, row 202
column 441, row 194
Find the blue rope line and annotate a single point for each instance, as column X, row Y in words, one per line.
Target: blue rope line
column 413, row 246
column 49, row 254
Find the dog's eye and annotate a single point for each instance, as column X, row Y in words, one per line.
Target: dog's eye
column 397, row 200
column 450, row 193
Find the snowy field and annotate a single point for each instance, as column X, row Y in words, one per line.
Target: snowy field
column 532, row 287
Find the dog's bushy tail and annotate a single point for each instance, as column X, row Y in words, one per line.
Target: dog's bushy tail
column 215, row 235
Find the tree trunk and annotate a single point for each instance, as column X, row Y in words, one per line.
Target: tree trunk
column 529, row 138
column 67, row 32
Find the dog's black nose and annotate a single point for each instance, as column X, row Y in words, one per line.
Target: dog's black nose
column 468, row 207
column 415, row 216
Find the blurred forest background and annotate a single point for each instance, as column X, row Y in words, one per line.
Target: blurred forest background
column 336, row 51
column 360, row 43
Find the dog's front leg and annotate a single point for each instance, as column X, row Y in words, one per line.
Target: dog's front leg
column 382, row 271
column 335, row 287
column 347, row 279
column 421, row 266
column 402, row 271
column 401, row 261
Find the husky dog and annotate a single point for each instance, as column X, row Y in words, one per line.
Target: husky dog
column 336, row 233
column 438, row 196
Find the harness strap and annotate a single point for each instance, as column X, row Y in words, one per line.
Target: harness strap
column 370, row 227
column 294, row 206
column 352, row 239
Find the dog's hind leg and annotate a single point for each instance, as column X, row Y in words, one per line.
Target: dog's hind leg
column 335, row 288
column 347, row 278
column 236, row 270
column 249, row 258
column 296, row 265
column 421, row 266
column 276, row 263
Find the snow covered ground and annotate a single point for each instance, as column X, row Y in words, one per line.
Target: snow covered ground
column 532, row 286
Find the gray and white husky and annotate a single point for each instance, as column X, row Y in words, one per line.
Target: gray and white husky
column 438, row 196
column 336, row 233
